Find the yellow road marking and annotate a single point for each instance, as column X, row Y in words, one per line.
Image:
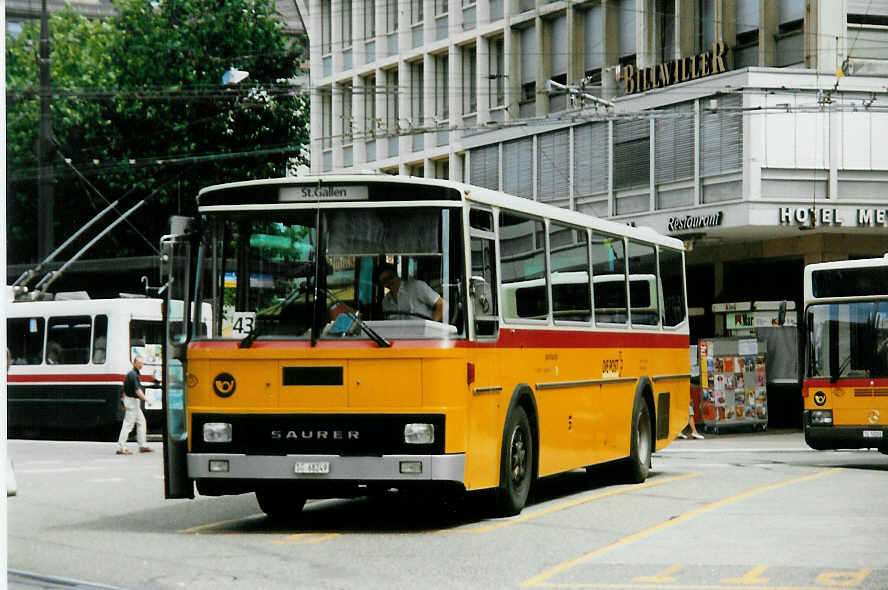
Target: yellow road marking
column 572, row 503
column 664, row 576
column 306, row 538
column 202, row 527
column 540, row 579
column 750, row 577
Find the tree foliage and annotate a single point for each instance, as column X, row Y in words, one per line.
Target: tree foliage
column 139, row 108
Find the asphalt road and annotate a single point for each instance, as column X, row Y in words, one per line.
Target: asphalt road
column 748, row 511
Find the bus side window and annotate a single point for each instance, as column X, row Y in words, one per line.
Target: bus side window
column 25, row 340
column 68, row 340
column 482, row 287
column 100, row 339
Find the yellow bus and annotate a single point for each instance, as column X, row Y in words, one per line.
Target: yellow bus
column 542, row 356
column 845, row 391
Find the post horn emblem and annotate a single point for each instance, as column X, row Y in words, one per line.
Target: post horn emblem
column 224, row 384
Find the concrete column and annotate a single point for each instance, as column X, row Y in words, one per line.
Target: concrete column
column 430, row 76
column 336, row 34
column 359, row 119
column 573, row 46
column 483, row 83
column 337, row 125
column 645, row 33
column 380, row 126
column 405, row 141
column 768, row 21
column 726, row 26
column 610, row 22
column 543, row 65
column 316, row 67
column 825, row 31
column 512, row 57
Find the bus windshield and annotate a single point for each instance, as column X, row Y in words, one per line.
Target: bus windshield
column 848, row 340
column 315, row 273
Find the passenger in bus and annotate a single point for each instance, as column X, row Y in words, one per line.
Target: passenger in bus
column 132, row 396
column 412, row 296
column 53, row 353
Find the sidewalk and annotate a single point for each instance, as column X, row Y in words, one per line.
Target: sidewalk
column 786, row 440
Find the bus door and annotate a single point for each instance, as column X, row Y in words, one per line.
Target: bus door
column 175, row 252
column 485, row 378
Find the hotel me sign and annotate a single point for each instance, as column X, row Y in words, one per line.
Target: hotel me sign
column 704, row 64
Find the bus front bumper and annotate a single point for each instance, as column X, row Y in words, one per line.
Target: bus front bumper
column 443, row 468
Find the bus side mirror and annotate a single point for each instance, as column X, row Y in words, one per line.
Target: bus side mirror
column 481, row 297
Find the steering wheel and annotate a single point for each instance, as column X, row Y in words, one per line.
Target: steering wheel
column 396, row 312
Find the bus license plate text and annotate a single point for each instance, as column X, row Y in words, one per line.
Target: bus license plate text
column 314, row 467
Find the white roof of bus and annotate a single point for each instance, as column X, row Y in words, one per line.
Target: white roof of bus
column 859, row 263
column 475, row 194
column 149, row 308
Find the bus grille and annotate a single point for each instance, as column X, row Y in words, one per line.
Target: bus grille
column 330, row 434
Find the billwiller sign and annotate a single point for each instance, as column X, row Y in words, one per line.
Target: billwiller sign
column 678, row 70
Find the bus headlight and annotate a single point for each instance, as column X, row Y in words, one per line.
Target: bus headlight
column 821, row 418
column 217, row 432
column 419, row 434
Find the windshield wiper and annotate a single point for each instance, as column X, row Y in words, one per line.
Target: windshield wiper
column 257, row 331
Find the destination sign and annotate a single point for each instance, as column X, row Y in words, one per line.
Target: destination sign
column 324, row 192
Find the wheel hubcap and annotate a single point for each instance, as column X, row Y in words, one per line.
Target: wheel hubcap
column 643, row 441
column 518, row 461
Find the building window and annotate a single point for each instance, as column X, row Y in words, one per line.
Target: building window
column 391, row 101
column 632, row 153
column 391, row 16
column 666, row 29
column 441, row 7
column 469, row 75
column 706, row 34
column 416, row 94
column 442, row 93
column 442, row 169
column 497, row 77
column 347, row 120
column 416, row 12
column 326, row 27
column 370, row 106
column 346, row 24
column 326, row 119
column 369, row 19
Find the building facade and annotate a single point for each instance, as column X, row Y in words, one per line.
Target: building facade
column 749, row 128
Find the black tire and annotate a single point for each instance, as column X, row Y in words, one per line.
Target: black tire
column 280, row 503
column 516, row 464
column 638, row 465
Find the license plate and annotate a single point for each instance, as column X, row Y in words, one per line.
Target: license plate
column 315, row 467
column 872, row 434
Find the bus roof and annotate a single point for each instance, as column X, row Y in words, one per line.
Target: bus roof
column 266, row 191
column 850, row 280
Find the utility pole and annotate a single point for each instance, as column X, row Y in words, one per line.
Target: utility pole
column 45, row 151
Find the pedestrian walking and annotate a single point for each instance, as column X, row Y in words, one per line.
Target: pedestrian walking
column 132, row 397
column 691, row 423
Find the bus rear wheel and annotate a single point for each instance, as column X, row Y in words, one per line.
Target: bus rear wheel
column 281, row 504
column 638, row 464
column 516, row 464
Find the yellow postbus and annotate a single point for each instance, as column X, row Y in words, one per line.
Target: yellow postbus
column 520, row 347
column 845, row 391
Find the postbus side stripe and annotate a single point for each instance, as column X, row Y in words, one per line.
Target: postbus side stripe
column 508, row 338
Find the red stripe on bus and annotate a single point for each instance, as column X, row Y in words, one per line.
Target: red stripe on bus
column 856, row 382
column 508, row 338
column 77, row 378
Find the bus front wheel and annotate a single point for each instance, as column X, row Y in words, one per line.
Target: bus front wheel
column 516, row 464
column 280, row 503
column 641, row 446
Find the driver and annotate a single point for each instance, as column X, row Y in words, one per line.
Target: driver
column 412, row 296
